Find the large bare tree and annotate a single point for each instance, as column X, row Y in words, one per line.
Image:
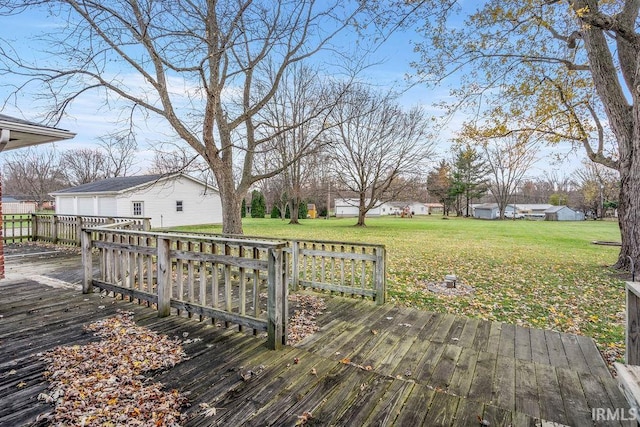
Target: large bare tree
column 301, row 98
column 34, row 173
column 596, row 185
column 376, row 144
column 114, row 157
column 508, row 160
column 566, row 69
column 206, row 68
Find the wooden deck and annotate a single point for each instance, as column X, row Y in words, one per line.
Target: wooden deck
column 368, row 365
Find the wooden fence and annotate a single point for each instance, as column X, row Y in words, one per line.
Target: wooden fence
column 16, row 228
column 352, row 269
column 239, row 281
column 60, row 229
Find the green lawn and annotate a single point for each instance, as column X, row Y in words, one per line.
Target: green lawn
column 532, row 273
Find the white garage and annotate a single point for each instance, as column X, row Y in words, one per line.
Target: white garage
column 169, row 200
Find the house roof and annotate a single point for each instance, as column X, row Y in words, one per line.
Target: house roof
column 533, row 206
column 487, row 206
column 554, row 209
column 124, row 183
column 111, row 185
column 18, row 133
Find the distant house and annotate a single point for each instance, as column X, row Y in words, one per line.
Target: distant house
column 562, row 213
column 533, row 210
column 169, row 200
column 349, row 208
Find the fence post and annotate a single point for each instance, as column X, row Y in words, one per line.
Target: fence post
column 632, row 344
column 146, row 224
column 380, row 275
column 54, row 228
column 295, row 273
column 34, row 227
column 78, row 230
column 164, row 276
column 276, row 299
column 87, row 261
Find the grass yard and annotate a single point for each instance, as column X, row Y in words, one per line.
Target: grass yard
column 532, row 273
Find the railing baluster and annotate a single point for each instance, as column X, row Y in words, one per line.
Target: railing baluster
column 228, row 292
column 242, row 288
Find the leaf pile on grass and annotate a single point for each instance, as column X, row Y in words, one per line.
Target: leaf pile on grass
column 303, row 321
column 101, row 383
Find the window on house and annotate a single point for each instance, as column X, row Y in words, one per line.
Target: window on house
column 137, row 209
column 179, row 206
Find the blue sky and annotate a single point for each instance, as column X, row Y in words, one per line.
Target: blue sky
column 394, row 56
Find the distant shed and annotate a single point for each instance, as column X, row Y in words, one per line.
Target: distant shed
column 562, row 213
column 486, row 211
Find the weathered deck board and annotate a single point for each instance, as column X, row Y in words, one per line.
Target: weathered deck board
column 406, row 367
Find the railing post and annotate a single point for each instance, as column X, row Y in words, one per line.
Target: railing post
column 54, row 228
column 276, row 300
column 34, row 227
column 295, row 272
column 146, row 224
column 632, row 353
column 87, row 261
column 78, row 230
column 380, row 275
column 164, row 276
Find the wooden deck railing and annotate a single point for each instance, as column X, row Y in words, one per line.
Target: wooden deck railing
column 16, row 228
column 353, row 269
column 62, row 229
column 348, row 268
column 67, row 229
column 239, row 281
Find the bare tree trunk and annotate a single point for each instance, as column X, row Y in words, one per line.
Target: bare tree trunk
column 294, row 208
column 629, row 213
column 362, row 211
column 231, row 205
column 361, row 216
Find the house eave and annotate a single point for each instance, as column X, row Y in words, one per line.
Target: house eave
column 19, row 135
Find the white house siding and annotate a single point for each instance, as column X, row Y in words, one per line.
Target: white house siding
column 159, row 203
column 346, row 207
column 418, row 208
column 107, row 206
column 65, row 205
column 85, row 206
column 349, row 208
